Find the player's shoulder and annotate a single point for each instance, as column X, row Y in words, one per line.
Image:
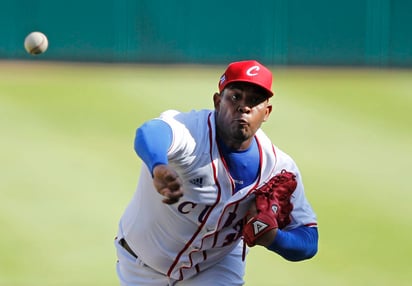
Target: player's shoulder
column 189, row 115
column 194, row 121
column 169, row 113
column 283, row 159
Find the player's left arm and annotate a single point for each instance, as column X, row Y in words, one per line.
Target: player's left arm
column 298, row 240
column 292, row 229
column 297, row 244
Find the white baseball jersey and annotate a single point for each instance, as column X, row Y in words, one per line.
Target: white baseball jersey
column 184, row 238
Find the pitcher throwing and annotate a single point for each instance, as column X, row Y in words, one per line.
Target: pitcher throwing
column 211, row 186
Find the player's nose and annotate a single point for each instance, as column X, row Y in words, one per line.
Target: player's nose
column 243, row 108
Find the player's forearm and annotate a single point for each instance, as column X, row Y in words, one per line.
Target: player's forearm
column 152, row 141
column 296, row 244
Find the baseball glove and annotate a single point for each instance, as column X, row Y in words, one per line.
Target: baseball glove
column 272, row 207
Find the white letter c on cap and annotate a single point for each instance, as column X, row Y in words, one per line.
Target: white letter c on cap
column 252, row 71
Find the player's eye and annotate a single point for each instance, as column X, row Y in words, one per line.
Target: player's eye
column 235, row 97
column 255, row 100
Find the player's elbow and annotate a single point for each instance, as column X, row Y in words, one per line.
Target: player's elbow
column 312, row 253
column 296, row 245
column 301, row 255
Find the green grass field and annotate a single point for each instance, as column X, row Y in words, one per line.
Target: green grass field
column 68, row 167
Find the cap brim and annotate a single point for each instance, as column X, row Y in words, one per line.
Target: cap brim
column 269, row 92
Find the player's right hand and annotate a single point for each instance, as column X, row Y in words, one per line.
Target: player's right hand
column 167, row 183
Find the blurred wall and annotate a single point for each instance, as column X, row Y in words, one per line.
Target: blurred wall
column 283, row 32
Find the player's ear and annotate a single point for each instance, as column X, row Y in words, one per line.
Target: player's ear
column 216, row 100
column 268, row 111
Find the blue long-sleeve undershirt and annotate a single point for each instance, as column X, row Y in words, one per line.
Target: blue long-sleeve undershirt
column 152, row 141
column 296, row 244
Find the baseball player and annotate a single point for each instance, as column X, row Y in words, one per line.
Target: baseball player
column 211, row 186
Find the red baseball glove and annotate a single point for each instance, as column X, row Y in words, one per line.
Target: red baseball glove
column 272, row 207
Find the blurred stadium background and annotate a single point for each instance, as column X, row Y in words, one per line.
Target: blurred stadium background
column 343, row 104
column 281, row 32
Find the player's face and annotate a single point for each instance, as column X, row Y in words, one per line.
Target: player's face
column 241, row 109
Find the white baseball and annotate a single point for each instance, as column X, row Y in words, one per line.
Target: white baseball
column 36, row 43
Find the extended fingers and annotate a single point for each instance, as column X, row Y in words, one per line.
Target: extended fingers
column 172, row 197
column 172, row 191
column 173, row 181
column 169, row 185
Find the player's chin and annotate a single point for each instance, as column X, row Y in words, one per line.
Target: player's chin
column 242, row 134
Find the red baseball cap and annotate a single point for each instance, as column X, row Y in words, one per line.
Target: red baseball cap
column 247, row 71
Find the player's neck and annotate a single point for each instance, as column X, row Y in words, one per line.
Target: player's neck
column 233, row 145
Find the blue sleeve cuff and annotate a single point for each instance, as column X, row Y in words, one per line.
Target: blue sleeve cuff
column 153, row 140
column 297, row 244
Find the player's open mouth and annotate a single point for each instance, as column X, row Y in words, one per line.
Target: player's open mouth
column 242, row 122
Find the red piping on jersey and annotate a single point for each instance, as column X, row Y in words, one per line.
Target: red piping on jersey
column 313, row 224
column 207, row 214
column 215, row 234
column 260, row 164
column 274, row 153
column 232, row 182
